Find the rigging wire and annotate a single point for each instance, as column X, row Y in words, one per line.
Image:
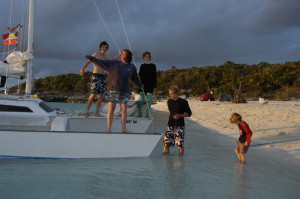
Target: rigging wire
column 126, row 35
column 125, row 32
column 12, row 50
column 21, row 31
column 6, row 48
column 107, row 29
column 9, row 24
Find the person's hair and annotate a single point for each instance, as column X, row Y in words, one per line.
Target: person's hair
column 128, row 57
column 147, row 53
column 103, row 43
column 175, row 89
column 235, row 117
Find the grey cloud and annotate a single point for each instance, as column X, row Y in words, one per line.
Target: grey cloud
column 178, row 33
column 277, row 16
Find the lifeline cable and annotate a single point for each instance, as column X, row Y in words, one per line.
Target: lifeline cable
column 122, row 21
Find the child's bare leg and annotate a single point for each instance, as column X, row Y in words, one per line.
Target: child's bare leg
column 181, row 150
column 238, row 154
column 166, row 150
column 243, row 158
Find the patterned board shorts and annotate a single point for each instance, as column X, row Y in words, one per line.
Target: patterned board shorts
column 174, row 135
column 118, row 97
column 98, row 84
column 241, row 148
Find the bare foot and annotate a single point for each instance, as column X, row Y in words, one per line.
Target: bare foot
column 125, row 131
column 98, row 115
column 108, row 131
column 86, row 114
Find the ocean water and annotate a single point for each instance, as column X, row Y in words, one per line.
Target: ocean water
column 208, row 169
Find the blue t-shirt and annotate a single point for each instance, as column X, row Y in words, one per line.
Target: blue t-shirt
column 118, row 73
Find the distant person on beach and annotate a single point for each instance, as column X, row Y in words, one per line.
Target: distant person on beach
column 98, row 82
column 119, row 73
column 148, row 78
column 243, row 143
column 179, row 109
column 207, row 97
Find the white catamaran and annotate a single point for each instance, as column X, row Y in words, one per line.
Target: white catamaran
column 29, row 128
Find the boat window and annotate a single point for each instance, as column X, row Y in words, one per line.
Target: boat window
column 9, row 108
column 45, row 107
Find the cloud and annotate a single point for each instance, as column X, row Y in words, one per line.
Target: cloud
column 178, row 33
column 277, row 16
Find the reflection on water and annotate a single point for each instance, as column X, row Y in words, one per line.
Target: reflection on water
column 242, row 180
column 174, row 176
column 208, row 169
column 197, row 174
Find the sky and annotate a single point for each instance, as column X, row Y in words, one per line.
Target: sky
column 181, row 33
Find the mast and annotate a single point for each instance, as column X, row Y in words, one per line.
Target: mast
column 30, row 47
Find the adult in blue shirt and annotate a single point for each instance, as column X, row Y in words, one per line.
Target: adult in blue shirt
column 119, row 74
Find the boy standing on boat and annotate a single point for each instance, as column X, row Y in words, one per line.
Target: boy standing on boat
column 98, row 82
column 148, row 78
column 179, row 109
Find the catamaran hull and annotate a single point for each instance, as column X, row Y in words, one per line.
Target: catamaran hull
column 99, row 124
column 41, row 144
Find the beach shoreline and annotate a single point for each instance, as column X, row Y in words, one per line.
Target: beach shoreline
column 274, row 125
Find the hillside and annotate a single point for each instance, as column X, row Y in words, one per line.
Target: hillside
column 273, row 81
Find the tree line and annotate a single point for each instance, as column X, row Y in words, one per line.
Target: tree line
column 273, row 81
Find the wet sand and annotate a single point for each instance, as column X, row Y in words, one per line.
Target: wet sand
column 274, row 125
column 269, row 173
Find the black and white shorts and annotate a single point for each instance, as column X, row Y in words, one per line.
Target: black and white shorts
column 174, row 135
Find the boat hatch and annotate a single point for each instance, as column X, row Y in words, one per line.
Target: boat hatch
column 45, row 107
column 12, row 108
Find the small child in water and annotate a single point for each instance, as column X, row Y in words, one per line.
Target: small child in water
column 244, row 140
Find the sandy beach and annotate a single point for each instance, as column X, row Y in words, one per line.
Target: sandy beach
column 274, row 125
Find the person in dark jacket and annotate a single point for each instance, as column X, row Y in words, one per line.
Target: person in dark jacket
column 119, row 73
column 148, row 78
column 179, row 109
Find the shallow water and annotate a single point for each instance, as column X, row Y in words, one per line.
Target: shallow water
column 209, row 169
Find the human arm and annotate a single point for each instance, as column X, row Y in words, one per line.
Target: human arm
column 118, row 56
column 105, row 64
column 154, row 76
column 186, row 111
column 81, row 72
column 241, row 131
column 141, row 72
column 248, row 131
column 135, row 78
column 177, row 116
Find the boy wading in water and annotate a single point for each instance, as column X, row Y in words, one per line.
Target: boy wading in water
column 244, row 140
column 179, row 109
